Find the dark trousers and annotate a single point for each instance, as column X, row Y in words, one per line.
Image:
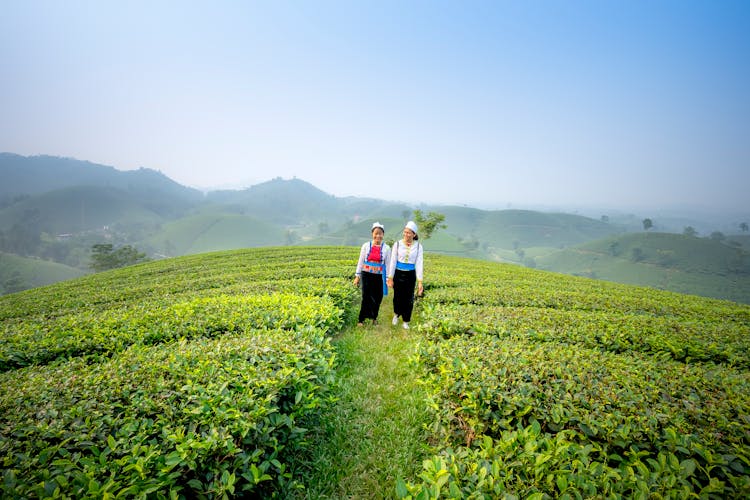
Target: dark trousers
column 372, row 295
column 403, row 293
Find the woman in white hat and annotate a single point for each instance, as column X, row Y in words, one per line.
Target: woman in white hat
column 372, row 270
column 404, row 271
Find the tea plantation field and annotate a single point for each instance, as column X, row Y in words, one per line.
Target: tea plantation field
column 200, row 376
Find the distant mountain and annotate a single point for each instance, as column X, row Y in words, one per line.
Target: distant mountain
column 80, row 208
column 31, row 175
column 294, row 202
column 62, row 195
column 55, row 209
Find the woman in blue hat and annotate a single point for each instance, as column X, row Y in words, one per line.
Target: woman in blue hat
column 404, row 271
column 372, row 270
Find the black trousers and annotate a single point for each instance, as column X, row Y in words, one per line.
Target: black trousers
column 372, row 295
column 403, row 293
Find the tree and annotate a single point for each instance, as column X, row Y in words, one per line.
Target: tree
column 104, row 256
column 429, row 223
column 647, row 224
column 743, row 227
column 718, row 236
column 689, row 231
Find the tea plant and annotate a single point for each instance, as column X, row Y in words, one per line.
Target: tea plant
column 106, row 332
column 207, row 417
column 197, row 377
column 191, row 377
column 546, row 386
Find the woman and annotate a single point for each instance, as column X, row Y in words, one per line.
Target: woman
column 372, row 269
column 404, row 271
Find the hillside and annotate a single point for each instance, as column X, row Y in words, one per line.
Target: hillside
column 296, row 202
column 479, row 233
column 511, row 229
column 30, row 175
column 76, row 204
column 79, row 208
column 213, row 231
column 685, row 264
column 21, row 273
column 280, row 201
column 242, row 373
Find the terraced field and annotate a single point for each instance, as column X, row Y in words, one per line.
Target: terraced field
column 213, row 375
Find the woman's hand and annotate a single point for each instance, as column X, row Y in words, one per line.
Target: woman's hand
column 389, row 282
column 420, row 289
column 356, row 281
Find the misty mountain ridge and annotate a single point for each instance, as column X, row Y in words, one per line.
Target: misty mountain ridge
column 75, row 204
column 31, row 175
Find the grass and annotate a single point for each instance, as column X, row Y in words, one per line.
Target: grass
column 376, row 430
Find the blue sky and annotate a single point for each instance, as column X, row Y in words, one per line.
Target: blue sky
column 614, row 104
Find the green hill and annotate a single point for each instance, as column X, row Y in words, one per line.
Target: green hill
column 80, row 208
column 240, row 373
column 356, row 233
column 516, row 229
column 57, row 208
column 32, row 175
column 21, row 273
column 214, row 231
column 280, row 201
column 700, row 266
column 359, row 233
column 485, row 234
column 294, row 202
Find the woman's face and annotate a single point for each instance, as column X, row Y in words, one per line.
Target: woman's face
column 408, row 235
column 377, row 236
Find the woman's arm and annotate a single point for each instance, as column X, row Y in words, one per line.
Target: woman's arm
column 419, row 267
column 419, row 263
column 360, row 263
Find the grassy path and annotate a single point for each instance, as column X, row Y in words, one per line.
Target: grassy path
column 374, row 433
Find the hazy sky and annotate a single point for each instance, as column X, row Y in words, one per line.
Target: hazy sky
column 611, row 103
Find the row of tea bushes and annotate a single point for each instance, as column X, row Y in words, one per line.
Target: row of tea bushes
column 546, row 386
column 626, row 411
column 106, row 332
column 304, row 271
column 191, row 377
column 457, row 281
column 199, row 418
column 666, row 336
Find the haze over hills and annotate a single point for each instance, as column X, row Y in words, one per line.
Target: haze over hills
column 30, row 175
column 55, row 209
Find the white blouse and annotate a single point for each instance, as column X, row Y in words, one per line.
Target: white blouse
column 365, row 250
column 408, row 255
